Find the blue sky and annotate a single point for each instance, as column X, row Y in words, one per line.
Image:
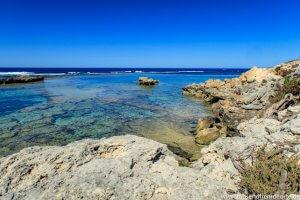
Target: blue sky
column 148, row 33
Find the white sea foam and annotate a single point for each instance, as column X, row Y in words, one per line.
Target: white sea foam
column 170, row 72
column 30, row 74
column 49, row 74
column 191, row 71
column 138, row 71
column 16, row 73
column 128, row 71
column 95, row 73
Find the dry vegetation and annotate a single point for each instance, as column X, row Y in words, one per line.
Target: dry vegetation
column 271, row 174
column 290, row 86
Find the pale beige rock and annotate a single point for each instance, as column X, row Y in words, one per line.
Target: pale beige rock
column 257, row 121
column 123, row 167
column 256, row 74
column 239, row 99
column 293, row 125
column 213, row 83
column 287, row 68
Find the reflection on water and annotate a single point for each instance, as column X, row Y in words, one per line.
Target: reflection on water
column 66, row 109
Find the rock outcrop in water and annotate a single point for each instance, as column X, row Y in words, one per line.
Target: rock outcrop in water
column 123, row 167
column 20, row 79
column 147, row 81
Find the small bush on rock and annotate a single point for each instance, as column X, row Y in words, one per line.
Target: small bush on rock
column 290, row 86
column 271, row 173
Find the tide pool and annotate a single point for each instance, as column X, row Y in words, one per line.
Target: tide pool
column 69, row 108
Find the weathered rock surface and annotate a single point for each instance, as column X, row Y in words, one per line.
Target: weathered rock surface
column 243, row 103
column 287, row 68
column 21, row 79
column 124, row 167
column 207, row 135
column 147, row 81
column 225, row 154
column 208, row 130
column 239, row 99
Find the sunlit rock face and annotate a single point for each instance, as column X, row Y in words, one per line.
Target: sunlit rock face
column 123, row 167
column 242, row 98
column 247, row 107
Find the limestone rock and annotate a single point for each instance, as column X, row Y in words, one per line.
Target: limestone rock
column 204, row 123
column 123, row 167
column 193, row 89
column 240, row 99
column 213, row 83
column 256, row 74
column 294, row 109
column 294, row 125
column 255, row 134
column 252, row 107
column 245, row 109
column 208, row 135
column 147, row 81
column 287, row 68
column 208, row 130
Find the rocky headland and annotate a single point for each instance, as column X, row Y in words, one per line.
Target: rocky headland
column 257, row 115
column 253, row 147
column 239, row 99
column 20, row 79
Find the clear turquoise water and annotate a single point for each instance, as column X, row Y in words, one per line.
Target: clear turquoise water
column 68, row 108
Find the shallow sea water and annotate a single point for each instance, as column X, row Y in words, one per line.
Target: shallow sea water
column 69, row 108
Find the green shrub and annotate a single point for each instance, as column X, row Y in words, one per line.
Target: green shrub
column 290, row 86
column 287, row 79
column 263, row 177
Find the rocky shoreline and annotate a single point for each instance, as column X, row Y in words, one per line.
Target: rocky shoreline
column 239, row 99
column 261, row 110
column 20, row 79
column 257, row 127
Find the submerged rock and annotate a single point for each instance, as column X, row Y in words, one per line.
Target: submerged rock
column 208, row 130
column 207, row 135
column 147, row 81
column 21, row 79
column 124, row 167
